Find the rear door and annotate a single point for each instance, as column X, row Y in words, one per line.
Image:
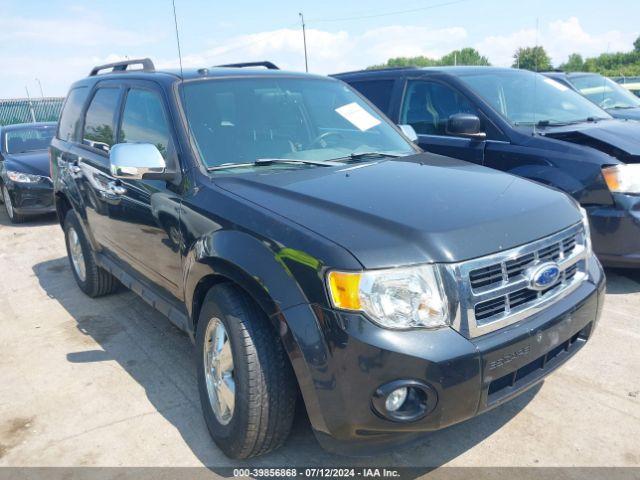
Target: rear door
column 144, row 214
column 426, row 106
column 88, row 161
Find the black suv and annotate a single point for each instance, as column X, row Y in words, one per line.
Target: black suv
column 307, row 246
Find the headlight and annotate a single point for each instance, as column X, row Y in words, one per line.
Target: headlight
column 587, row 228
column 398, row 298
column 20, row 177
column 622, row 178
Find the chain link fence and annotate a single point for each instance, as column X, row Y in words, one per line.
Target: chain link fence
column 24, row 110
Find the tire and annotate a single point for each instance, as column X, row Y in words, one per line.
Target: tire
column 92, row 279
column 265, row 388
column 8, row 206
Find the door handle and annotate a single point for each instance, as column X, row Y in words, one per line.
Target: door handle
column 114, row 189
column 75, row 169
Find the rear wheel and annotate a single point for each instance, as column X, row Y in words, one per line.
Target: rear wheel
column 8, row 206
column 247, row 387
column 92, row 279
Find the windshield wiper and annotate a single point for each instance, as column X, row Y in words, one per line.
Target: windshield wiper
column 551, row 123
column 359, row 155
column 270, row 161
column 541, row 123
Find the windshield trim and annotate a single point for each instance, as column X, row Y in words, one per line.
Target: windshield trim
column 5, row 138
column 181, row 107
column 617, row 90
column 463, row 78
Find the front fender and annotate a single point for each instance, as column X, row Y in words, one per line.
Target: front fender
column 263, row 271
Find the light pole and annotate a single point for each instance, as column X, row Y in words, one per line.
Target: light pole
column 33, row 114
column 304, row 40
column 40, row 85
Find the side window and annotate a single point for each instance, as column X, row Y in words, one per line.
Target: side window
column 70, row 117
column 428, row 105
column 99, row 121
column 377, row 91
column 144, row 120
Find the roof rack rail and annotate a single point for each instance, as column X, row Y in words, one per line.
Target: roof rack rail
column 367, row 70
column 266, row 64
column 147, row 66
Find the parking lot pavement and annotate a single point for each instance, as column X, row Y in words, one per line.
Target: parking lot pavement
column 111, row 382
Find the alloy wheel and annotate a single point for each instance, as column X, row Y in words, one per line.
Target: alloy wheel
column 77, row 256
column 218, row 370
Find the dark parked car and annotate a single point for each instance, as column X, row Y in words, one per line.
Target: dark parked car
column 306, row 246
column 602, row 91
column 529, row 125
column 24, row 170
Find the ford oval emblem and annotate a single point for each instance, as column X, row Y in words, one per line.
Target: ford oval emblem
column 543, row 276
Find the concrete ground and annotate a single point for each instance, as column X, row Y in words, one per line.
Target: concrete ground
column 110, row 382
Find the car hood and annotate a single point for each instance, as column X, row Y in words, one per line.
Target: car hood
column 36, row 163
column 419, row 209
column 618, row 138
column 627, row 113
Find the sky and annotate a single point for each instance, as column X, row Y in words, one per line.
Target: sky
column 55, row 42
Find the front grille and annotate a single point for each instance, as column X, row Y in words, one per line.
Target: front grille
column 494, row 274
column 498, row 291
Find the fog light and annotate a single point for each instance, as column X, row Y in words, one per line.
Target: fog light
column 396, row 399
column 405, row 400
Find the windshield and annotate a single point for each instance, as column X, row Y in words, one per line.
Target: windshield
column 242, row 120
column 604, row 92
column 28, row 139
column 528, row 98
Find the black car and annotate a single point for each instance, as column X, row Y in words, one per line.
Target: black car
column 526, row 124
column 24, row 170
column 307, row 246
column 602, row 91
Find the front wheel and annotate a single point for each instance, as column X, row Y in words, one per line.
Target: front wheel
column 8, row 206
column 247, row 386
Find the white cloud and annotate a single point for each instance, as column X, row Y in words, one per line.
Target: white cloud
column 560, row 38
column 329, row 52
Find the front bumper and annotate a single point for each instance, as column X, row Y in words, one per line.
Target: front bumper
column 339, row 375
column 615, row 231
column 32, row 198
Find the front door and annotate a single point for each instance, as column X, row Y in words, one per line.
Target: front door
column 427, row 105
column 145, row 214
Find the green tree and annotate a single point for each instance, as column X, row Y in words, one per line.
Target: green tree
column 575, row 63
column 532, row 58
column 636, row 45
column 466, row 56
column 420, row 61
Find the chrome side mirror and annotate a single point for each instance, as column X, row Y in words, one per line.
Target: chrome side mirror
column 137, row 161
column 409, row 132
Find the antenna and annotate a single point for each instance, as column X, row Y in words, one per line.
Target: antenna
column 304, row 40
column 181, row 90
column 175, row 21
column 535, row 80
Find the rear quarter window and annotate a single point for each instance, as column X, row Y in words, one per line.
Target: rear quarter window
column 99, row 125
column 377, row 91
column 70, row 118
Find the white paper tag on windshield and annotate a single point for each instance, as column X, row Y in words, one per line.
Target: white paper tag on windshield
column 555, row 84
column 357, row 115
